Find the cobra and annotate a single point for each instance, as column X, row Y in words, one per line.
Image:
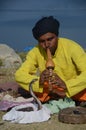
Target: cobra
column 33, row 95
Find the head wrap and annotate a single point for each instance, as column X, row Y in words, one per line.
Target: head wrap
column 45, row 25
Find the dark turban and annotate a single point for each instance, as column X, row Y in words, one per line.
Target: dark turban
column 45, row 25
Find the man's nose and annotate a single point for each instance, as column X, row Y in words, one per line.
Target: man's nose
column 47, row 44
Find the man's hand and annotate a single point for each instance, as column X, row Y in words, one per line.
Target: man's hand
column 57, row 84
column 44, row 77
column 55, row 80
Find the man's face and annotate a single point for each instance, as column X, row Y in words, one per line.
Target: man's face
column 48, row 40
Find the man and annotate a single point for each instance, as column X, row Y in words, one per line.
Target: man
column 69, row 59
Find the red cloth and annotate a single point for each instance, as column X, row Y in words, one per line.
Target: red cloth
column 80, row 96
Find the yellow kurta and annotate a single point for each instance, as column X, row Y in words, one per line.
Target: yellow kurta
column 70, row 65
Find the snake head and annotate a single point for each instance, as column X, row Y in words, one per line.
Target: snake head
column 34, row 80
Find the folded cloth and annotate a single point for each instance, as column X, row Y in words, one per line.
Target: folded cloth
column 6, row 105
column 8, row 102
column 55, row 106
column 24, row 117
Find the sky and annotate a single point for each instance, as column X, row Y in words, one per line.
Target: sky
column 18, row 17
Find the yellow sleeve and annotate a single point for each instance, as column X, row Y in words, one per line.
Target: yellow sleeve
column 78, row 83
column 27, row 72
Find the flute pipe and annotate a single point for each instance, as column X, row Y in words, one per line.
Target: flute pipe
column 50, row 66
column 49, row 62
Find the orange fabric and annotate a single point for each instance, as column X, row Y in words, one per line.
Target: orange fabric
column 43, row 97
column 80, row 96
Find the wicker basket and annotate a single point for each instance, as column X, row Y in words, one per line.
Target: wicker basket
column 73, row 115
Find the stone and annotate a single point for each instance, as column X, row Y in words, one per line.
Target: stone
column 9, row 57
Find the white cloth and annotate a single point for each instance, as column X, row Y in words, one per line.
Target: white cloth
column 27, row 117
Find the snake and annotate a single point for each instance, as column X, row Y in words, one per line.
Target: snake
column 33, row 94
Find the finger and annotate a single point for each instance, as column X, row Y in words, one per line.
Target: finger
column 60, row 93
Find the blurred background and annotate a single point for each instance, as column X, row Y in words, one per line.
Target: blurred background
column 17, row 18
